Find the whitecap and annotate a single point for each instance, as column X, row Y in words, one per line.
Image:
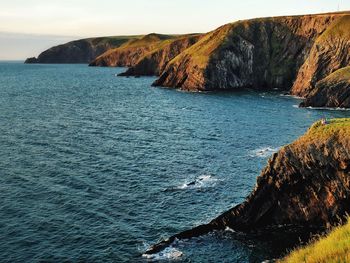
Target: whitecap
column 169, row 253
column 292, row 96
column 228, row 229
column 202, row 181
column 296, row 106
column 328, row 108
column 263, row 152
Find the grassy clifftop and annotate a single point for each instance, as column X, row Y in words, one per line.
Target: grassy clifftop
column 335, row 247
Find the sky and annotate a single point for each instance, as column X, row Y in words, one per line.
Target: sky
column 28, row 27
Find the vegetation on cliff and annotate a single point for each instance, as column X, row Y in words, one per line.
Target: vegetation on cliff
column 333, row 248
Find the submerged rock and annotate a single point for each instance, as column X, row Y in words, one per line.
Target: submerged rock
column 305, row 184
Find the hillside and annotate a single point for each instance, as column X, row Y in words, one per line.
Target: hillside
column 305, row 184
column 79, row 51
column 147, row 55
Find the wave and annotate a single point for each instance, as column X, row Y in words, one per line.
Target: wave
column 169, row 253
column 327, row 108
column 291, row 96
column 202, row 181
column 263, row 152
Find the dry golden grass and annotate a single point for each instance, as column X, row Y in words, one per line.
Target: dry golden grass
column 333, row 248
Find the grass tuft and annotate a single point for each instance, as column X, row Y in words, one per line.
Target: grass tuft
column 333, row 248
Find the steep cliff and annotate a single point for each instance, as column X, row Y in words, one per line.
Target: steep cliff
column 261, row 53
column 306, row 183
column 146, row 56
column 79, row 51
column 332, row 91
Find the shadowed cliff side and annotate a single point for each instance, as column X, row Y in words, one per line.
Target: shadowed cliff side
column 307, row 183
column 79, row 51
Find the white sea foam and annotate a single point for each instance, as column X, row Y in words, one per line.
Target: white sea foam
column 295, row 106
column 169, row 253
column 263, row 152
column 200, row 182
column 291, row 96
column 229, row 230
column 327, row 108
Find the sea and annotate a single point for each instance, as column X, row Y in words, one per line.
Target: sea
column 97, row 168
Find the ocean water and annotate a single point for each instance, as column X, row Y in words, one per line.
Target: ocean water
column 95, row 168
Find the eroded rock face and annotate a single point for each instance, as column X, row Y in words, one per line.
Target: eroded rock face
column 80, row 51
column 306, row 183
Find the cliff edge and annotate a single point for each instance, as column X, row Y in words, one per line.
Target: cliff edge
column 305, row 184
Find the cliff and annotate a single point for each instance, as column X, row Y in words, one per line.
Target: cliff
column 304, row 184
column 264, row 53
column 79, row 51
column 146, row 56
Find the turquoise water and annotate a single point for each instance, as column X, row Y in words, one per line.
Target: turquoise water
column 95, row 168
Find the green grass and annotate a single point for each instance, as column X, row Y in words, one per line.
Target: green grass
column 318, row 131
column 333, row 248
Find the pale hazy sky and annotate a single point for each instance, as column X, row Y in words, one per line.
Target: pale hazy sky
column 43, row 23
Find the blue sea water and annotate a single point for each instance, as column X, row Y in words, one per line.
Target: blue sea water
column 95, row 168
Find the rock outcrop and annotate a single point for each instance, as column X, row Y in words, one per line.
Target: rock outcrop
column 79, row 51
column 306, row 183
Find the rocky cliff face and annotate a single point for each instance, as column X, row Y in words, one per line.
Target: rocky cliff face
column 79, row 51
column 260, row 54
column 307, row 183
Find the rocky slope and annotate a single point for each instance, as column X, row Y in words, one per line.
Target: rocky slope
column 264, row 53
column 146, row 56
column 332, row 91
column 79, row 51
column 306, row 183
